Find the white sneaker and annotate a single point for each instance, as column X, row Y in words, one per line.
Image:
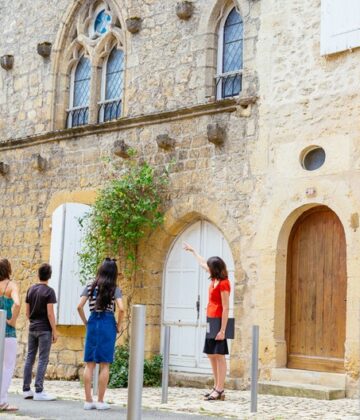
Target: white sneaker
column 28, row 395
column 43, row 396
column 102, row 406
column 89, row 405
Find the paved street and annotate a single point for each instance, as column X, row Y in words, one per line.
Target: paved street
column 183, row 403
column 58, row 410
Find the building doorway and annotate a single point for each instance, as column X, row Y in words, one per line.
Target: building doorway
column 186, row 294
column 316, row 292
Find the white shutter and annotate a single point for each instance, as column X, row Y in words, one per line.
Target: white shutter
column 56, row 247
column 340, row 25
column 65, row 246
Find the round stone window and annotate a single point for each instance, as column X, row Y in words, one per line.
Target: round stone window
column 313, row 158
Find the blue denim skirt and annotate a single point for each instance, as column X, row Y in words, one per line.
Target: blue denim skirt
column 100, row 338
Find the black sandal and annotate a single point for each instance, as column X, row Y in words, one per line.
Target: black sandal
column 220, row 396
column 209, row 393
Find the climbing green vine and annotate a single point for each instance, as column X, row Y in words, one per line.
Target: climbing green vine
column 126, row 208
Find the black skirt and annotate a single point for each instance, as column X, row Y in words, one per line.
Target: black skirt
column 213, row 346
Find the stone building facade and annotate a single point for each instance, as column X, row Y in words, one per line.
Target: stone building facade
column 239, row 160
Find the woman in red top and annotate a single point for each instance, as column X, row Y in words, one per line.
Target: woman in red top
column 218, row 307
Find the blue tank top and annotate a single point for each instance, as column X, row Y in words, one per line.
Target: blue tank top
column 6, row 304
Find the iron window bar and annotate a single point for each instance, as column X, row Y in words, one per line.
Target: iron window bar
column 77, row 116
column 225, row 84
column 109, row 110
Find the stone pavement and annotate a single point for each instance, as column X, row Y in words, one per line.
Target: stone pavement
column 237, row 404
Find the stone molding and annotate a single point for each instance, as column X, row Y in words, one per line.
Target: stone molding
column 226, row 105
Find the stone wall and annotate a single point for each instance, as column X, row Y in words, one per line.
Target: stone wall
column 255, row 179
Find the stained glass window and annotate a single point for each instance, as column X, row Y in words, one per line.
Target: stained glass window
column 79, row 112
column 102, row 22
column 232, row 54
column 82, row 83
column 114, row 74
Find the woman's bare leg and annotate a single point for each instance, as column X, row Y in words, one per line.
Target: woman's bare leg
column 214, row 367
column 103, row 380
column 88, row 374
column 221, row 372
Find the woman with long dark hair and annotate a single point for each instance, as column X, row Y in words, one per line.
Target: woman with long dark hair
column 218, row 307
column 101, row 328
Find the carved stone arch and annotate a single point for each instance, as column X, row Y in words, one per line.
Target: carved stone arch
column 72, row 33
column 105, row 46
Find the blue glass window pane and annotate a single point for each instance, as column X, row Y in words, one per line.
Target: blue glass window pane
column 102, row 22
column 82, row 83
column 114, row 75
column 233, row 42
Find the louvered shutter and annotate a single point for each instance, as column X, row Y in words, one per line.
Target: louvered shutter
column 340, row 25
column 65, row 246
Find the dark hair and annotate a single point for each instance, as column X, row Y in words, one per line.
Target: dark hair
column 44, row 272
column 5, row 269
column 106, row 282
column 217, row 268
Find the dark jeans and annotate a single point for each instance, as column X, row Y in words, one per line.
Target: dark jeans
column 37, row 340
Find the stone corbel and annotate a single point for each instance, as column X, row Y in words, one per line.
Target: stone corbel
column 121, row 149
column 4, row 168
column 7, row 61
column 40, row 163
column 184, row 9
column 164, row 141
column 216, row 134
column 44, row 49
column 133, row 24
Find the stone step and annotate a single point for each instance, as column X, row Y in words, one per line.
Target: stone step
column 291, row 389
column 333, row 380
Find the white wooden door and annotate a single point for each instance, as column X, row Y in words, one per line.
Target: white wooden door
column 186, row 295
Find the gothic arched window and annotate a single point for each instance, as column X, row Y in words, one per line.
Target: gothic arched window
column 78, row 112
column 90, row 78
column 230, row 55
column 112, row 86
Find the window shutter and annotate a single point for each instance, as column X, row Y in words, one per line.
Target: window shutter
column 65, row 246
column 340, row 25
column 56, row 247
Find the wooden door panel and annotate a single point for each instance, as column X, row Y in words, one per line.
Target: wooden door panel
column 316, row 292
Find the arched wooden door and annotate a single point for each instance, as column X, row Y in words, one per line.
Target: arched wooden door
column 316, row 292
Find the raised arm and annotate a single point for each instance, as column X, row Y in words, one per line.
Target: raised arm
column 201, row 260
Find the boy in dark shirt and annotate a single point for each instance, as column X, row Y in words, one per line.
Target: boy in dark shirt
column 40, row 299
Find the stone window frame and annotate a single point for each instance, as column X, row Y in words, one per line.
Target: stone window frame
column 76, row 38
column 220, row 51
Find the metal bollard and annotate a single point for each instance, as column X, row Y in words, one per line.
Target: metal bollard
column 165, row 370
column 3, row 316
column 96, row 379
column 254, row 368
column 136, row 364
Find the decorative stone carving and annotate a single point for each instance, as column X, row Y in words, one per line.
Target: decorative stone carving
column 184, row 9
column 164, row 141
column 4, row 168
column 7, row 61
column 133, row 24
column 121, row 149
column 216, row 134
column 44, row 49
column 40, row 163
